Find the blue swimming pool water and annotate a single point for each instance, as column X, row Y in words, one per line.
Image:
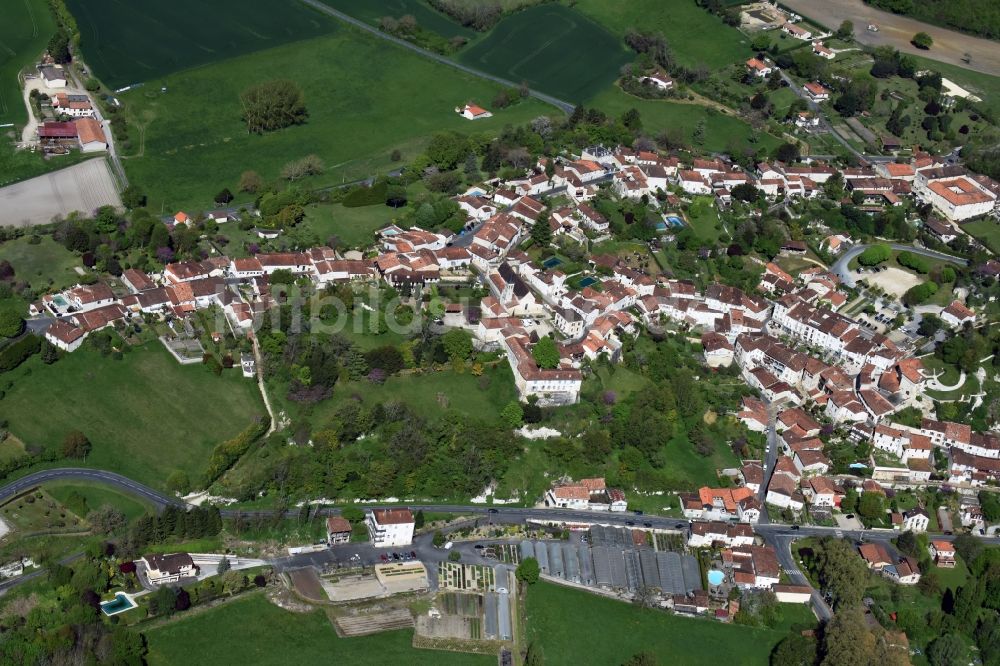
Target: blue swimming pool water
column 715, row 577
column 552, row 262
column 119, row 604
column 587, row 281
column 675, row 221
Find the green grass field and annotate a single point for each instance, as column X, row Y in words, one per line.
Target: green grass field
column 460, row 392
column 81, row 498
column 366, row 99
column 572, row 627
column 136, row 42
column 986, row 230
column 429, row 19
column 695, row 36
column 355, row 227
column 145, row 415
column 221, row 636
column 25, row 30
column 47, row 264
column 555, row 49
column 722, row 132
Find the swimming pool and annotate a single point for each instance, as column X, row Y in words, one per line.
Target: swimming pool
column 715, row 577
column 674, row 221
column 119, row 604
column 552, row 262
column 587, row 281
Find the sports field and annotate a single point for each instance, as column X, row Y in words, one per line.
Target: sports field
column 25, row 29
column 427, row 18
column 364, row 97
column 138, row 41
column 557, row 50
column 561, row 624
column 145, row 415
column 695, row 37
column 251, row 630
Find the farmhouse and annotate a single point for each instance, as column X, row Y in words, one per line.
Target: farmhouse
column 74, row 106
column 758, row 68
column 91, row 135
column 796, row 32
column 54, row 76
column 390, row 527
column 822, row 51
column 957, row 315
column 943, row 554
column 587, row 494
column 63, row 336
column 338, row 530
column 170, row 568
column 473, row 112
column 816, row 92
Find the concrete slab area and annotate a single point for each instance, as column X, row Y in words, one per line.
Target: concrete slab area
column 82, row 187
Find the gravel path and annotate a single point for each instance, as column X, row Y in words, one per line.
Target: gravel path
column 83, row 187
column 897, row 31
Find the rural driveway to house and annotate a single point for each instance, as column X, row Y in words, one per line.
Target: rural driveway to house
column 897, row 31
column 83, row 187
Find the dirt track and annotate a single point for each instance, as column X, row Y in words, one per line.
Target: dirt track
column 894, row 30
column 83, row 187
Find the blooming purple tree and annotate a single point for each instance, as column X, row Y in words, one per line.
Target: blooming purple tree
column 377, row 376
column 164, row 254
column 610, row 397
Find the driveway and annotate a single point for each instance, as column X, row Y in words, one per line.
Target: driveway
column 896, row 31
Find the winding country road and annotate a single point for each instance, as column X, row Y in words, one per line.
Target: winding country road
column 779, row 536
column 330, row 11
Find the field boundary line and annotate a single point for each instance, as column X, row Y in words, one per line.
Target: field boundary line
column 560, row 104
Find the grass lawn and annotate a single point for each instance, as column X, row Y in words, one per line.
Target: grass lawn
column 954, row 577
column 145, row 415
column 24, row 32
column 128, row 43
column 688, row 469
column 985, row 230
column 695, row 36
column 562, row 621
column 704, row 217
column 221, row 636
column 950, row 373
column 722, row 132
column 38, row 510
column 355, row 227
column 46, row 265
column 192, row 147
column 82, row 497
column 425, row 394
column 543, row 46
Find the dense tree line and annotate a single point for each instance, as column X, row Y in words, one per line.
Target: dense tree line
column 979, row 17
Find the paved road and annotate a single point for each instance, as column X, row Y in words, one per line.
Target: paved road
column 839, row 267
column 118, row 481
column 548, row 99
column 897, row 31
column 779, row 536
